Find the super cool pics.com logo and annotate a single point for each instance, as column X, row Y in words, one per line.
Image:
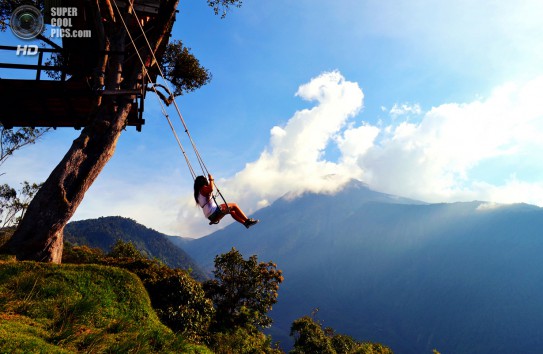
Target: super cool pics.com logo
column 27, row 22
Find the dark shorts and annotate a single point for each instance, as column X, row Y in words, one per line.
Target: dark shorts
column 216, row 214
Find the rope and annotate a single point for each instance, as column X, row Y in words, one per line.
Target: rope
column 196, row 152
column 163, row 109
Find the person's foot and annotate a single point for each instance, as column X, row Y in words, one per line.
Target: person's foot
column 250, row 222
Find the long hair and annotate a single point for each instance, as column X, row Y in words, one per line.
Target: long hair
column 199, row 182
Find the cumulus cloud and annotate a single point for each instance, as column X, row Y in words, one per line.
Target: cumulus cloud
column 293, row 161
column 432, row 159
column 487, row 149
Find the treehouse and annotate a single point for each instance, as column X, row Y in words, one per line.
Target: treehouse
column 66, row 86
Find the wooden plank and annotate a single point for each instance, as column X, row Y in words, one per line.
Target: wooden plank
column 148, row 7
column 38, row 104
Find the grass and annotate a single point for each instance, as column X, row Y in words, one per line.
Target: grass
column 48, row 308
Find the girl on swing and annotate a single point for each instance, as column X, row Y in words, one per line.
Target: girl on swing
column 203, row 194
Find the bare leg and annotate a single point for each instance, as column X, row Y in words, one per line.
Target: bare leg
column 236, row 212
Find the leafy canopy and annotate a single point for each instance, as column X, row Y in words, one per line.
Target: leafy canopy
column 310, row 337
column 12, row 140
column 183, row 69
column 222, row 6
column 13, row 204
column 243, row 291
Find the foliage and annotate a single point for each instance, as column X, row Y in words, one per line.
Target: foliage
column 104, row 232
column 12, row 140
column 181, row 302
column 310, row 337
column 177, row 298
column 222, row 6
column 243, row 291
column 81, row 254
column 343, row 344
column 122, row 249
column 183, row 69
column 372, row 348
column 13, row 204
column 79, row 308
column 241, row 341
column 56, row 60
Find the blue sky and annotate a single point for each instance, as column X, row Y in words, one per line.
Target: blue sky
column 437, row 101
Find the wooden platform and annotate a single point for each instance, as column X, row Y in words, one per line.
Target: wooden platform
column 40, row 103
column 69, row 103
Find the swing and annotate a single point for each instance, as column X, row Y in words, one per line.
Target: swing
column 168, row 101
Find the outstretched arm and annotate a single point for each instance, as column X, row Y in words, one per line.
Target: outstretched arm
column 211, row 181
column 208, row 189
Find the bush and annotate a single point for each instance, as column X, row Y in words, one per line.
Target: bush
column 241, row 341
column 46, row 308
column 123, row 249
column 372, row 348
column 81, row 254
column 176, row 297
column 343, row 344
column 243, row 291
column 310, row 337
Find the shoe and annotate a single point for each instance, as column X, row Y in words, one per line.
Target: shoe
column 250, row 222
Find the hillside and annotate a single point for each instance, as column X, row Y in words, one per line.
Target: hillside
column 47, row 308
column 460, row 277
column 104, row 232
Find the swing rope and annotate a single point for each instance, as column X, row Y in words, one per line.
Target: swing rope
column 162, row 108
column 196, row 152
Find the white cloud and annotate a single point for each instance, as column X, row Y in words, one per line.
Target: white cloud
column 405, row 109
column 489, row 206
column 431, row 160
column 293, row 160
column 151, row 201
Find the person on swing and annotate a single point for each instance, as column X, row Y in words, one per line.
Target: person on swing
column 203, row 194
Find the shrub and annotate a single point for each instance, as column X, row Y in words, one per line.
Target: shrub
column 123, row 249
column 176, row 297
column 241, row 341
column 81, row 254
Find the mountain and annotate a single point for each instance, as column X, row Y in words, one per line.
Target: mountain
column 458, row 277
column 104, row 232
column 180, row 242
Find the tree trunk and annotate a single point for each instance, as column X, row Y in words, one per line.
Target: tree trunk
column 39, row 236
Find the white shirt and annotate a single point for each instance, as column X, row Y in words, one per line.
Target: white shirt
column 208, row 204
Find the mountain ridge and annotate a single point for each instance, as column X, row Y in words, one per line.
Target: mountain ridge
column 105, row 231
column 414, row 275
